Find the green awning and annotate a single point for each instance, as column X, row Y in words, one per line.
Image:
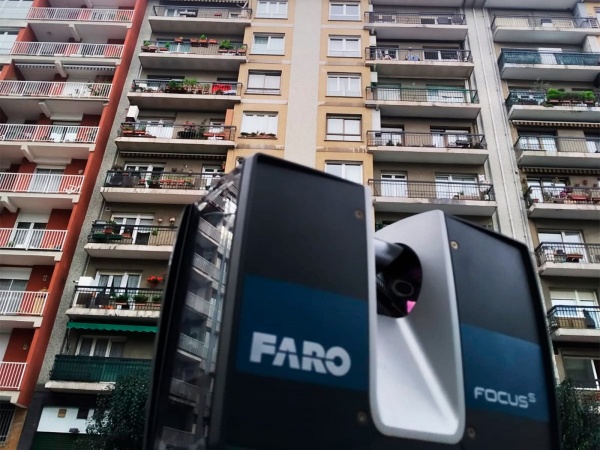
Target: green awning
column 112, row 327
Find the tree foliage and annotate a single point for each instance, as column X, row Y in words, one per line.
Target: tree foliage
column 119, row 416
column 579, row 417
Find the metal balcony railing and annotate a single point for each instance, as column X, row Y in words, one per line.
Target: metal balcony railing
column 398, row 94
column 182, row 12
column 48, row 133
column 96, row 368
column 95, row 91
column 193, row 346
column 235, row 48
column 27, row 239
column 556, row 145
column 80, row 14
column 11, row 374
column 22, row 303
column 147, row 235
column 184, row 390
column 544, row 22
column 187, row 87
column 158, row 180
column 105, row 297
column 207, row 267
column 441, row 190
column 74, row 49
column 528, row 57
column 178, row 438
column 560, row 252
column 442, row 55
column 210, row 230
column 437, row 140
column 562, row 194
column 559, row 98
column 177, row 131
column 579, row 317
column 40, row 183
column 415, row 18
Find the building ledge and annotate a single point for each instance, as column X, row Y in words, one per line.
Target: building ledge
column 78, row 387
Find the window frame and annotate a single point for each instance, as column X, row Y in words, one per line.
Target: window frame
column 244, row 128
column 345, row 117
column 95, row 339
column 346, row 76
column 345, row 40
column 264, row 74
column 272, row 15
column 344, row 165
column 268, row 51
column 345, row 16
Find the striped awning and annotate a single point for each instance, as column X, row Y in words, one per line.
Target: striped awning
column 142, row 154
column 112, row 327
column 536, row 123
column 561, row 170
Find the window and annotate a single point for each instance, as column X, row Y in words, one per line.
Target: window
column 447, row 94
column 546, row 143
column 271, row 9
column 264, row 82
column 450, row 138
column 457, row 186
column 592, row 143
column 351, row 171
column 344, row 11
column 106, row 347
column 578, row 308
column 345, row 47
column 393, row 185
column 344, row 85
column 546, row 189
column 267, row 44
column 7, row 411
column 259, row 123
column 562, row 246
column 83, row 413
column 344, row 128
column 584, row 372
column 138, row 227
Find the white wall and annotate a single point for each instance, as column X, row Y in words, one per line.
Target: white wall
column 51, row 423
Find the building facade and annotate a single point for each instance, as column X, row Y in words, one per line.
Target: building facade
column 482, row 109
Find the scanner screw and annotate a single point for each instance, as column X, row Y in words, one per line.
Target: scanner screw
column 362, row 418
column 454, row 245
column 471, row 433
column 359, row 214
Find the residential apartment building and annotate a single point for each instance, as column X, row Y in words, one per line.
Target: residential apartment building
column 482, row 109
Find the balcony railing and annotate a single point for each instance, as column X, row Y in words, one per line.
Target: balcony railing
column 432, row 190
column 96, row 368
column 40, row 183
column 562, row 195
column 178, row 438
column 81, row 14
column 578, row 317
column 558, row 144
column 442, row 55
column 158, row 180
column 415, row 18
column 559, row 98
column 545, row 22
column 185, row 390
column 181, row 12
column 528, row 57
column 99, row 91
column 104, row 297
column 210, row 230
column 186, row 87
column 560, row 252
column 193, row 346
column 437, row 140
column 74, row 49
column 398, row 94
column 22, row 303
column 48, row 133
column 11, row 374
column 206, row 267
column 200, row 305
column 147, row 235
column 235, row 48
column 26, row 239
column 177, row 131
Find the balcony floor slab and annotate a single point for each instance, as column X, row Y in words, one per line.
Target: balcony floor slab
column 575, row 335
column 152, row 196
column 429, row 155
column 450, row 206
column 574, row 211
column 147, row 252
column 560, row 159
column 568, row 269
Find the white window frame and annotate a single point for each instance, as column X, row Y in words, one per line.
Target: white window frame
column 344, row 165
column 276, row 9
column 348, row 137
column 345, row 15
column 270, row 49
column 95, row 338
column 259, row 122
column 344, row 84
column 265, row 78
column 590, row 360
column 393, row 184
column 344, row 52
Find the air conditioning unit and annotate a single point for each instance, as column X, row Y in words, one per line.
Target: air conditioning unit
column 132, row 114
column 86, row 281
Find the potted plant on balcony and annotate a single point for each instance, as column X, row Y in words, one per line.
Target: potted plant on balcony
column 189, row 85
column 553, row 96
column 154, row 181
column 225, row 46
column 194, row 42
column 179, row 39
column 203, row 41
column 589, row 98
column 154, row 280
column 212, row 42
column 165, row 47
column 127, row 130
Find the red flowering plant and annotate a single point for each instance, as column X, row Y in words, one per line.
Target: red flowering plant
column 154, row 279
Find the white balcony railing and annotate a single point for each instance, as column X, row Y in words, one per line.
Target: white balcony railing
column 207, row 267
column 27, row 239
column 47, row 133
column 55, row 89
column 22, row 303
column 66, row 49
column 193, row 346
column 200, row 305
column 81, row 14
column 40, row 183
column 11, row 374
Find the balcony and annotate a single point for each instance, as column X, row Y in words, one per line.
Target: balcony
column 91, row 373
column 559, row 66
column 131, row 241
column 155, row 187
column 171, row 55
column 561, row 106
column 207, row 268
column 417, row 26
column 61, row 53
column 187, row 392
column 533, row 4
column 204, row 308
column 549, row 151
column 574, row 323
column 433, row 103
column 175, row 138
column 568, row 260
column 41, row 192
column 210, row 21
column 11, row 375
column 544, row 30
column 430, row 63
column 191, row 346
column 20, row 309
column 563, row 202
column 465, row 199
column 95, row 25
column 30, row 98
column 27, row 247
column 443, row 148
column 185, row 95
column 116, row 303
column 178, row 438
column 46, row 143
